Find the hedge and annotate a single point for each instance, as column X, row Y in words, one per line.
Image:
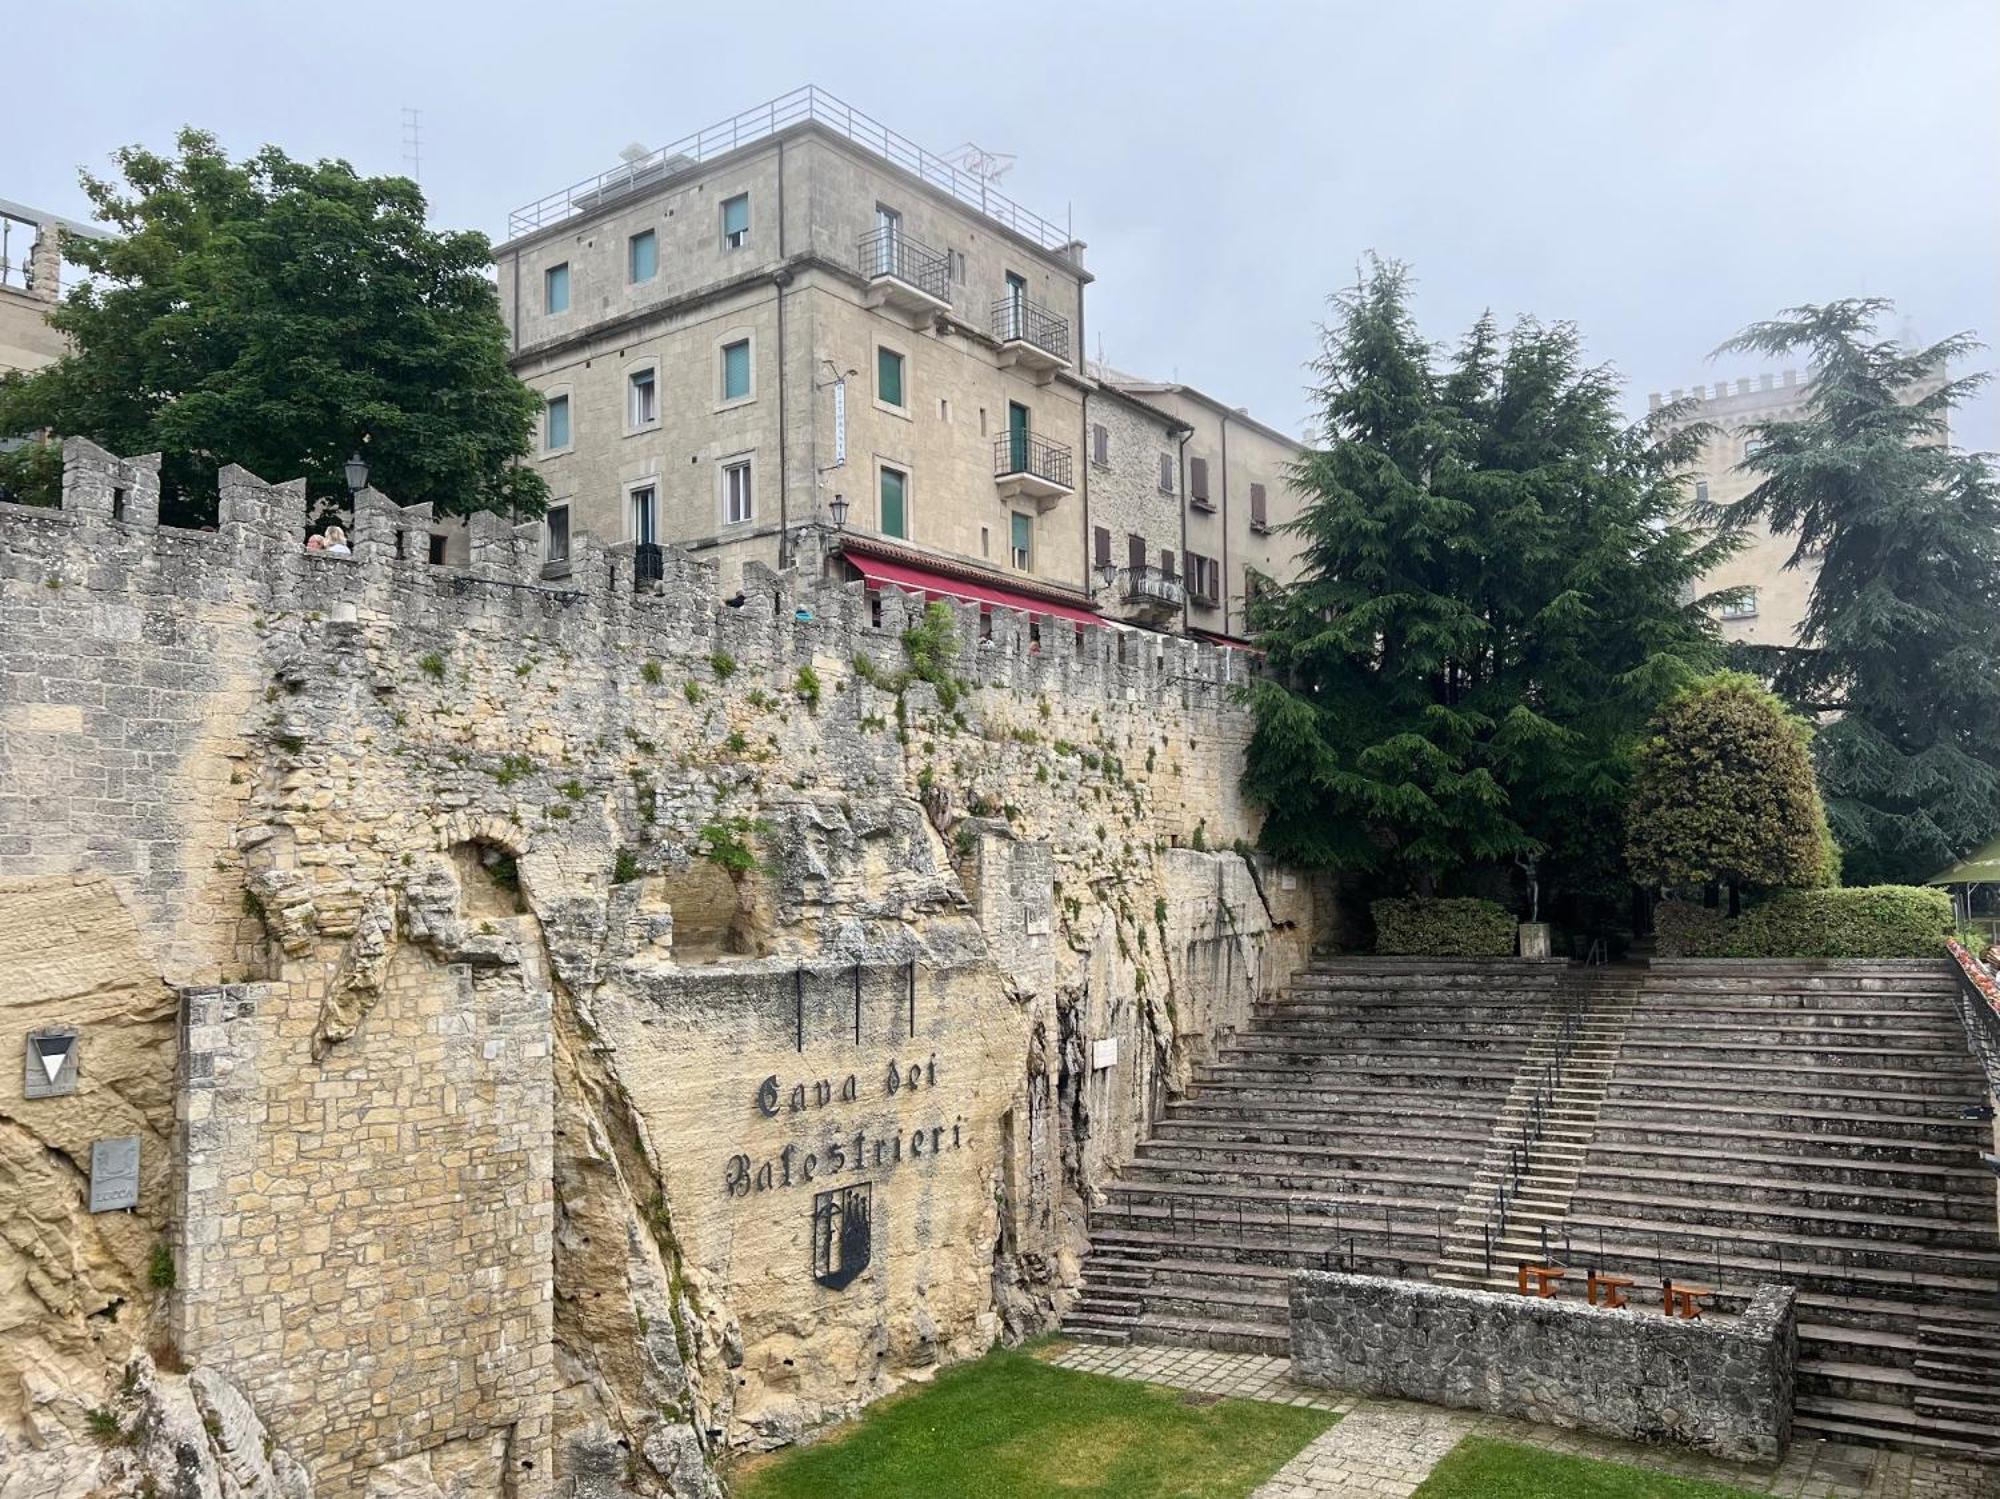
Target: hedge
column 1866, row 921
column 1443, row 929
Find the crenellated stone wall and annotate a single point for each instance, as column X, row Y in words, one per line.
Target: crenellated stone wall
column 617, row 1021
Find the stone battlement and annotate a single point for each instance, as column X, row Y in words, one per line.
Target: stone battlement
column 109, row 526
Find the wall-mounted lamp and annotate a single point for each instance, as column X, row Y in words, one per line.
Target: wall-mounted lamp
column 837, row 507
column 357, row 473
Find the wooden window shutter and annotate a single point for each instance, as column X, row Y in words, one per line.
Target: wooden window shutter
column 1198, row 479
column 1101, row 545
column 1166, row 562
column 1166, row 473
column 1100, row 443
column 1257, row 517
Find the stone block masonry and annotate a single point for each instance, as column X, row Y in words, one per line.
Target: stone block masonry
column 543, row 945
column 1724, row 1387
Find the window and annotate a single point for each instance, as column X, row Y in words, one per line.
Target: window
column 736, row 370
column 1166, row 473
column 986, row 541
column 555, row 288
column 1204, row 579
column 1743, row 606
column 555, row 534
column 644, row 515
column 1100, row 444
column 1100, row 546
column 555, row 430
column 119, row 495
column 737, row 504
column 1701, row 491
column 1021, row 549
column 957, row 265
column 736, row 222
column 643, row 407
column 435, row 549
column 889, row 377
column 895, row 502
column 1260, row 519
column 1017, row 299
column 642, row 257
column 1167, row 560
column 1198, row 484
column 1135, row 552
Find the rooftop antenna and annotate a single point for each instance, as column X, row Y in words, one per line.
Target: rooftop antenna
column 413, row 142
column 986, row 167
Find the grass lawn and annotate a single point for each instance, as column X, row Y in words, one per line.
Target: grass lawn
column 1009, row 1426
column 1481, row 1468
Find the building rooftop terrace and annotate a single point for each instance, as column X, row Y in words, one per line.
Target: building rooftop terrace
column 807, row 105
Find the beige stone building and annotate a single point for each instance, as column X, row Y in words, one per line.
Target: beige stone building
column 1773, row 604
column 799, row 319
column 30, row 282
column 1233, row 473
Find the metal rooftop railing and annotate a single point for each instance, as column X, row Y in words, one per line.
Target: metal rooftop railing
column 795, row 108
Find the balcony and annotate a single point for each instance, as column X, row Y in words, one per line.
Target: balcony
column 1027, row 467
column 905, row 275
column 1031, row 337
column 1150, row 593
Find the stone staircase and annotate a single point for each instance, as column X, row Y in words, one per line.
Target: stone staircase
column 1542, row 1136
column 1339, row 1129
column 1728, row 1123
column 1814, row 1124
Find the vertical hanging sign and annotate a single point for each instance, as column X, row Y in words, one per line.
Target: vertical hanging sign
column 840, row 423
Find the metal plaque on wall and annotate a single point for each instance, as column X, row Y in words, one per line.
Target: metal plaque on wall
column 114, row 1173
column 51, row 1063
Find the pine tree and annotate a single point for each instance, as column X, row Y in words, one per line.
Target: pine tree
column 1495, row 594
column 1901, row 636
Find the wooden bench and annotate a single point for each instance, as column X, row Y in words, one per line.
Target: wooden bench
column 1545, row 1278
column 1613, row 1287
column 1682, row 1299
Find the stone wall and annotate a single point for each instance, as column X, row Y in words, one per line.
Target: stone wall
column 1722, row 1386
column 531, row 937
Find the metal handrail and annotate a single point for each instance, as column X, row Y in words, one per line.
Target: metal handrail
column 1520, row 1155
column 1018, row 320
column 892, row 252
column 799, row 106
column 1031, row 453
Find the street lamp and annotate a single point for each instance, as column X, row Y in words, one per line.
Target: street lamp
column 1108, row 573
column 838, row 508
column 357, row 473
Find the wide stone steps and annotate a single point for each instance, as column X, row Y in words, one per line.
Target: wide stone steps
column 1686, row 1163
column 1827, row 1148
column 1727, row 1123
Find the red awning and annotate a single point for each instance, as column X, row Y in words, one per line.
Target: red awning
column 879, row 570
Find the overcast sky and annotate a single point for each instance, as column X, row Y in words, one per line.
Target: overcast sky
column 1660, row 173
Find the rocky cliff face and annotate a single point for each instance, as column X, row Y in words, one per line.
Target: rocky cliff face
column 611, row 1025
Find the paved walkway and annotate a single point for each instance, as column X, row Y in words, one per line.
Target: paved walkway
column 1386, row 1448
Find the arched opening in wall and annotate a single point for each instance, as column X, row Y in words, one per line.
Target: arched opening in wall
column 717, row 912
column 489, row 880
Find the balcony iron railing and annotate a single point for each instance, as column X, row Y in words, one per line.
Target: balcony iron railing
column 1018, row 320
column 1152, row 585
column 1035, row 456
column 800, row 106
column 891, row 252
column 649, row 563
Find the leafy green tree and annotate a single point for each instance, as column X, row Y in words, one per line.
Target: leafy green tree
column 1901, row 637
column 1496, row 591
column 281, row 315
column 1724, row 794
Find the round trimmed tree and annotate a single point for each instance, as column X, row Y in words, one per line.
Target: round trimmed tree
column 1724, row 794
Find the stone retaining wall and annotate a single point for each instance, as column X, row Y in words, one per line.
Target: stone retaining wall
column 1723, row 1387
